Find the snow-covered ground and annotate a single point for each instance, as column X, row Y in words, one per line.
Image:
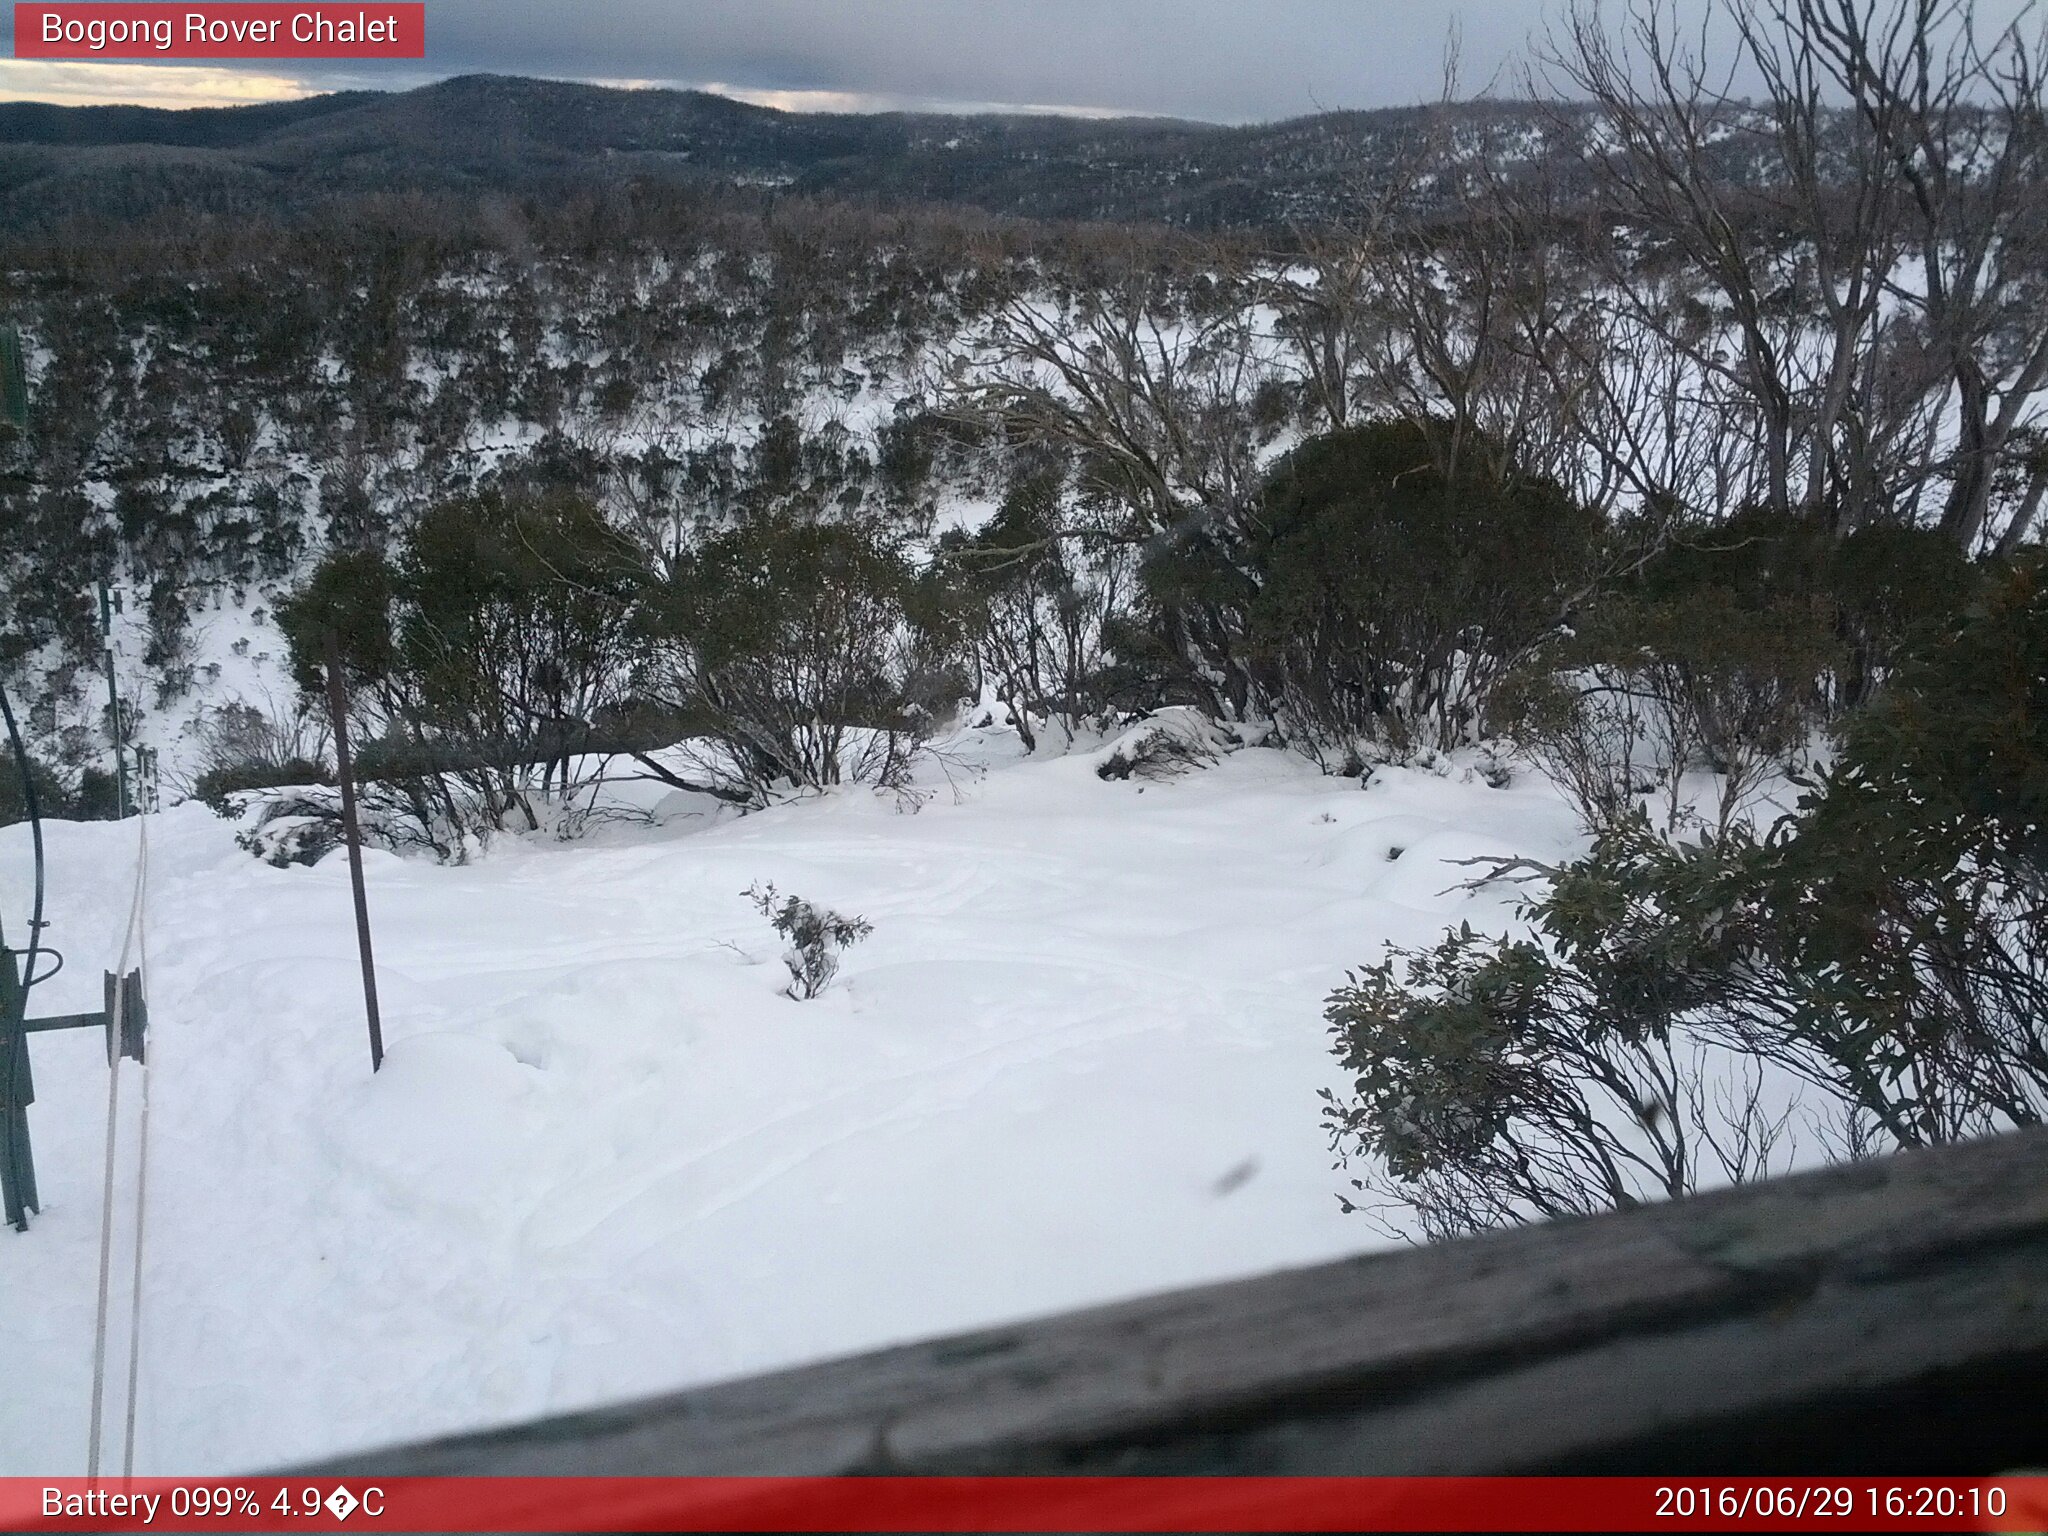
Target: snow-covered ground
column 1077, row 1060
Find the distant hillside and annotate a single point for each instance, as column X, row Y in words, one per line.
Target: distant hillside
column 36, row 122
column 494, row 132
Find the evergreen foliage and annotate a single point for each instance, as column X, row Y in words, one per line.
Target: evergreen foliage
column 13, row 380
column 1726, row 652
column 1040, row 598
column 1369, row 602
column 1884, row 947
column 815, row 936
column 791, row 644
column 479, row 657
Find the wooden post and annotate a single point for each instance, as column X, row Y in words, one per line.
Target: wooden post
column 337, row 706
column 114, row 707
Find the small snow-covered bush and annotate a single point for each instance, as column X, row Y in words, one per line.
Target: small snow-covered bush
column 1170, row 743
column 815, row 935
column 285, row 827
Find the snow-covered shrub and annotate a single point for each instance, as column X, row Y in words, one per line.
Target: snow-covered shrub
column 1880, row 955
column 1170, row 743
column 1378, row 595
column 289, row 830
column 794, row 647
column 815, row 936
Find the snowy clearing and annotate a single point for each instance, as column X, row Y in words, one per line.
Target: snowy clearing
column 1077, row 1060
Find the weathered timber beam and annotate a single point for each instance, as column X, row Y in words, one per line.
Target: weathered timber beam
column 1886, row 1316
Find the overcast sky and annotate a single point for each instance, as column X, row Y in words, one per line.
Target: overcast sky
column 1223, row 60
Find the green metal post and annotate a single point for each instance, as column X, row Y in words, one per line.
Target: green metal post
column 17, row 1092
column 127, row 1034
column 17, row 1168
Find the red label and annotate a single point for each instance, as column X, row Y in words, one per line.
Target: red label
column 1052, row 1504
column 221, row 31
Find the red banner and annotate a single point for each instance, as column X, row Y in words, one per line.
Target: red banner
column 1052, row 1504
column 171, row 32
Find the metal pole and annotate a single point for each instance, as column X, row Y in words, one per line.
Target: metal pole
column 337, row 706
column 114, row 707
column 17, row 1162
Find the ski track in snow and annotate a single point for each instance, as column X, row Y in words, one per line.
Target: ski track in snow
column 1076, row 1061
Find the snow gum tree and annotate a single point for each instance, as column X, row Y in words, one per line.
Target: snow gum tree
column 1040, row 591
column 480, row 655
column 793, row 647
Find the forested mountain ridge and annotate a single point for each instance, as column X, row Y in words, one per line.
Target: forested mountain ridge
column 511, row 134
column 256, row 334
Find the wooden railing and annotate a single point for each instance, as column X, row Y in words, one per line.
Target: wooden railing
column 1883, row 1317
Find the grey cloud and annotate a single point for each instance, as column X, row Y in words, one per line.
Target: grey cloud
column 1232, row 60
column 1200, row 58
column 1228, row 60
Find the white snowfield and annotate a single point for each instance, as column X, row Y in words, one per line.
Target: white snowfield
column 1076, row 1061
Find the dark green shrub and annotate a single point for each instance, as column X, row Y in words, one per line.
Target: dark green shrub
column 1641, row 690
column 91, row 798
column 1917, row 889
column 51, row 797
column 1374, row 598
column 1884, row 950
column 1879, row 587
column 792, row 642
column 349, row 595
column 1728, row 651
column 1891, row 586
column 96, row 797
column 478, row 658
